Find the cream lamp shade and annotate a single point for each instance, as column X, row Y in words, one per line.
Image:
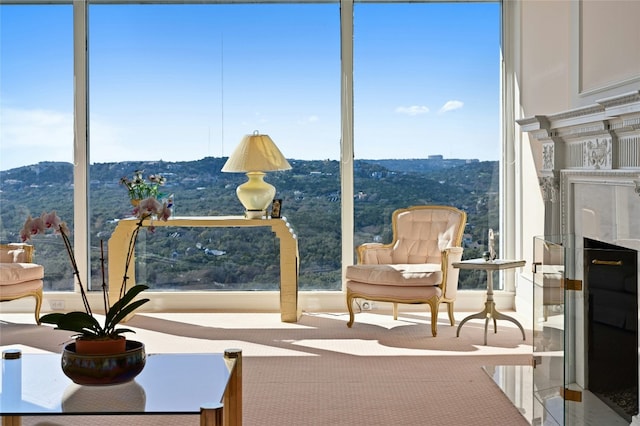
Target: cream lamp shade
column 255, row 155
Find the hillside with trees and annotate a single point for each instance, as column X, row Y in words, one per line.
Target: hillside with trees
column 234, row 259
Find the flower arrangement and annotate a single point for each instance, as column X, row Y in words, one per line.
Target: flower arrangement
column 139, row 188
column 84, row 323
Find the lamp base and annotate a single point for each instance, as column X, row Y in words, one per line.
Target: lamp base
column 255, row 195
column 254, row 214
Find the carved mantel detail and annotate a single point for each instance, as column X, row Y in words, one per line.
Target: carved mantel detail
column 598, row 154
column 550, row 186
column 604, row 136
column 547, row 156
column 596, row 139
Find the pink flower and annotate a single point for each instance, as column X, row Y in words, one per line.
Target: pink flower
column 165, row 213
column 38, row 225
column 51, row 220
column 25, row 232
column 32, row 227
column 149, row 206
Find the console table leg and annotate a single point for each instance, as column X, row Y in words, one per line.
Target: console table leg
column 212, row 415
column 11, row 421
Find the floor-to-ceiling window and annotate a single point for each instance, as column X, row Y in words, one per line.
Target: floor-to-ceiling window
column 427, row 116
column 36, row 126
column 173, row 88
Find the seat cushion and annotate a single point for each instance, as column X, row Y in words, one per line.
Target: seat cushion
column 15, row 273
column 409, row 294
column 14, row 291
column 413, row 274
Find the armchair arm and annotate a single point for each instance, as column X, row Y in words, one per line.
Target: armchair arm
column 374, row 253
column 449, row 273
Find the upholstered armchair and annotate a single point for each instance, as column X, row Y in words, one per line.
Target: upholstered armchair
column 416, row 267
column 19, row 276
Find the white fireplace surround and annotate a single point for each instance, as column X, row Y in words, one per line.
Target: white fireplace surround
column 589, row 175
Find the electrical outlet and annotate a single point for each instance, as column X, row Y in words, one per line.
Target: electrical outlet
column 367, row 305
column 56, row 305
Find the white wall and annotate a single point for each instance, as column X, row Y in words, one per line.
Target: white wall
column 571, row 53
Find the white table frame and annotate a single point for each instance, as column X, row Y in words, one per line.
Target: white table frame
column 489, row 311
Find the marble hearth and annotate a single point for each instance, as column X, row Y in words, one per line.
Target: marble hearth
column 589, row 175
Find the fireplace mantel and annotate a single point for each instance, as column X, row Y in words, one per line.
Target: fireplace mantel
column 600, row 141
column 588, row 169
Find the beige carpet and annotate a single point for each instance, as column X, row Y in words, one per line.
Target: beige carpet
column 319, row 372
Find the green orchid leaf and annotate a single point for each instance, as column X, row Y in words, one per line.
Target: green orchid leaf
column 51, row 318
column 120, row 304
column 80, row 322
column 126, row 310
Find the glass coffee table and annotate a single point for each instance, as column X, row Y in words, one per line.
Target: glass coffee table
column 209, row 385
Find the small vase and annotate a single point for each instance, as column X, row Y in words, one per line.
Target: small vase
column 135, row 202
column 100, row 346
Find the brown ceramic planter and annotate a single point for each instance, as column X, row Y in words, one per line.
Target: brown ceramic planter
column 104, row 369
column 100, row 346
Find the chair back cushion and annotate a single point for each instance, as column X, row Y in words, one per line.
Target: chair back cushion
column 422, row 232
column 15, row 253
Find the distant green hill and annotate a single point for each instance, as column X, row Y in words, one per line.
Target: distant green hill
column 311, row 202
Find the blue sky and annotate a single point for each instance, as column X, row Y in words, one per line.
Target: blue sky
column 179, row 83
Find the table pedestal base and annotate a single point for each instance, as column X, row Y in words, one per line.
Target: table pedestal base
column 490, row 312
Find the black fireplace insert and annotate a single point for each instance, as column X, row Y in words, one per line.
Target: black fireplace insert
column 611, row 281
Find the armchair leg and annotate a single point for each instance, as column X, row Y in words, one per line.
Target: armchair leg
column 395, row 311
column 38, row 297
column 452, row 320
column 434, row 304
column 350, row 308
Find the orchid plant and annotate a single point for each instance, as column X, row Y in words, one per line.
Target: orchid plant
column 84, row 323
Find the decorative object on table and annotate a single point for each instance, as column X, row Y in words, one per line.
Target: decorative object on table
column 255, row 155
column 89, row 331
column 276, row 208
column 140, row 188
column 103, row 369
column 492, row 248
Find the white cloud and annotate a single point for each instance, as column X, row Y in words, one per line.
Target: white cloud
column 412, row 110
column 32, row 135
column 451, row 106
column 309, row 119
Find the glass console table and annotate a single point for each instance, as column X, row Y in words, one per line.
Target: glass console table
column 289, row 256
column 208, row 385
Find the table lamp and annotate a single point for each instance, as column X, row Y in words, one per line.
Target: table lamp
column 255, row 155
